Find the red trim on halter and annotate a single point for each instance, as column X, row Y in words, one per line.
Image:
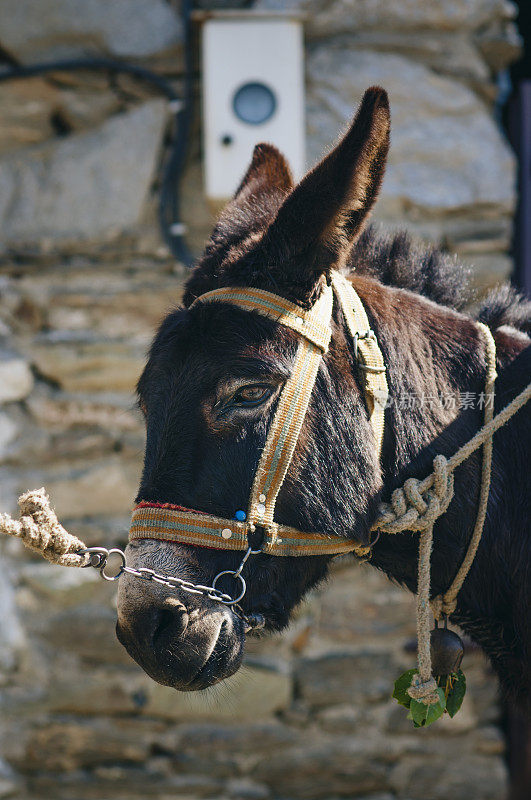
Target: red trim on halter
column 145, row 504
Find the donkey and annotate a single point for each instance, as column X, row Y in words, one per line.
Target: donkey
column 214, row 374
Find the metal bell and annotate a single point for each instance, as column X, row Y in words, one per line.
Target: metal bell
column 446, row 651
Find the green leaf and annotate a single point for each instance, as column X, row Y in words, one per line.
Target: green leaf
column 456, row 694
column 402, row 684
column 424, row 715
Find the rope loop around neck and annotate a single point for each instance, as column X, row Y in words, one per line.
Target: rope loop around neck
column 418, row 504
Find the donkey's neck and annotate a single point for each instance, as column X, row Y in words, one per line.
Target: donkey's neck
column 436, row 372
column 432, row 352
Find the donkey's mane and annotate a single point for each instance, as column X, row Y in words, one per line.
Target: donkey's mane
column 396, row 259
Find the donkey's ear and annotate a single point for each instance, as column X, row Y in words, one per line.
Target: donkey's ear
column 268, row 171
column 328, row 210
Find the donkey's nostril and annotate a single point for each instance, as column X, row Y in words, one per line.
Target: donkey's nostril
column 172, row 619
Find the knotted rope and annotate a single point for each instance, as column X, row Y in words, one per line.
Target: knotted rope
column 418, row 504
column 40, row 531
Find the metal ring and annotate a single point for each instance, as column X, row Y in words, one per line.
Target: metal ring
column 236, row 577
column 113, row 550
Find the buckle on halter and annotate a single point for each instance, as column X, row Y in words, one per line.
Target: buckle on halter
column 368, row 334
column 257, row 537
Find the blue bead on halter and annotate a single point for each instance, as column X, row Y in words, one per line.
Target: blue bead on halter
column 241, row 516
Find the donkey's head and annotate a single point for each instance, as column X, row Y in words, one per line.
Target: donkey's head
column 209, row 391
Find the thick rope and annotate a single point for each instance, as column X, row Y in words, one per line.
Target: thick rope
column 446, row 604
column 40, row 531
column 418, row 504
column 424, row 687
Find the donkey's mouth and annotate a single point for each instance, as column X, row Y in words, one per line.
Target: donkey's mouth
column 224, row 660
column 209, row 650
column 187, row 647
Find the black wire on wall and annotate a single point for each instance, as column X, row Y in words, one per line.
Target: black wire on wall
column 172, row 227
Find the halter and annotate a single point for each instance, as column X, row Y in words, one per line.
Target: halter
column 174, row 523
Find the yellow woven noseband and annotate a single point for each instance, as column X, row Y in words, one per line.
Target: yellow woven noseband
column 172, row 523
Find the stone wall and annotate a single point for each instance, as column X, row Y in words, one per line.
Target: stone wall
column 83, row 282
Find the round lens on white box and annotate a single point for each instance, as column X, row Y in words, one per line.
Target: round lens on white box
column 254, row 103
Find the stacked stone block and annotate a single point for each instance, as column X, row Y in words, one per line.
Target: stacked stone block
column 84, row 281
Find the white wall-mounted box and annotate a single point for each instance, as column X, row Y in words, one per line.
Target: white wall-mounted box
column 253, row 91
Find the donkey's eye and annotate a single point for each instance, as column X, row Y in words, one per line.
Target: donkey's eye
column 249, row 396
column 232, row 407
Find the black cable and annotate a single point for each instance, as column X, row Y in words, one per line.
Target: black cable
column 108, row 64
column 169, row 207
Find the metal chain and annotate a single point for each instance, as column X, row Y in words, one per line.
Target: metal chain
column 99, row 557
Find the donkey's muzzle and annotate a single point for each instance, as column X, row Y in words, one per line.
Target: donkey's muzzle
column 187, row 647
